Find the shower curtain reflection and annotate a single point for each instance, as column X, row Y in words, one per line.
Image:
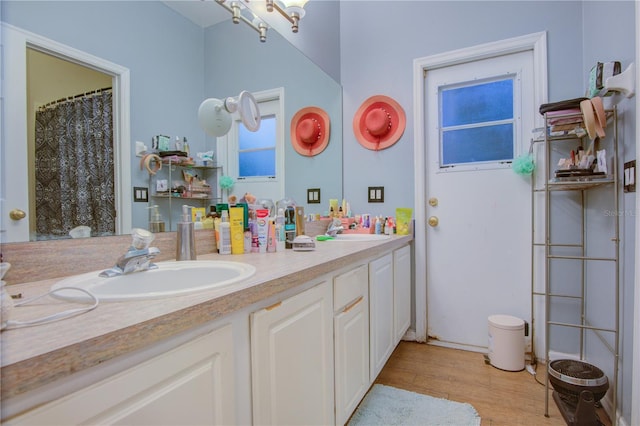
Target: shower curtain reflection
column 75, row 166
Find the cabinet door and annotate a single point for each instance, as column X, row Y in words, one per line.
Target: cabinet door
column 192, row 384
column 380, row 313
column 401, row 291
column 352, row 358
column 351, row 331
column 292, row 360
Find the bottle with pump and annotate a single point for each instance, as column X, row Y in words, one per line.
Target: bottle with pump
column 156, row 224
column 225, row 234
column 186, row 240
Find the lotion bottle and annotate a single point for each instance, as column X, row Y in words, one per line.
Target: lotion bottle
column 225, row 233
column 279, row 231
column 186, row 240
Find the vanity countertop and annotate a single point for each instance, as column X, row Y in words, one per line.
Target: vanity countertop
column 38, row 355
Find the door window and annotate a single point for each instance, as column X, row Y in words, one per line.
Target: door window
column 477, row 122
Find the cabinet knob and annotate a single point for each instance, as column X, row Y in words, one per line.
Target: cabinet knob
column 433, row 221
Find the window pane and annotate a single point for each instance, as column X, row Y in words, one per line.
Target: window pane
column 489, row 143
column 257, row 163
column 265, row 137
column 476, row 104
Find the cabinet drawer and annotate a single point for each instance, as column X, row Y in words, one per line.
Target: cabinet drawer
column 349, row 286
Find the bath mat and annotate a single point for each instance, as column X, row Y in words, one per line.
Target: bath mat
column 386, row 405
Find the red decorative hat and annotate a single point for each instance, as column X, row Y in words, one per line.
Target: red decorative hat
column 379, row 122
column 310, row 129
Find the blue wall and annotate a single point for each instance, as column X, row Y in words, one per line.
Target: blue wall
column 602, row 42
column 380, row 40
column 256, row 67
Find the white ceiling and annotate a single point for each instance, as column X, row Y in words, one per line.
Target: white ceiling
column 201, row 12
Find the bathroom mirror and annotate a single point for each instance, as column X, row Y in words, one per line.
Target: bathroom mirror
column 165, row 55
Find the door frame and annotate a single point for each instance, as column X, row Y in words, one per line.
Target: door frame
column 635, row 376
column 537, row 42
column 16, row 40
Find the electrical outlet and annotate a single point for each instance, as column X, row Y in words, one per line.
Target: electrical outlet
column 376, row 194
column 630, row 176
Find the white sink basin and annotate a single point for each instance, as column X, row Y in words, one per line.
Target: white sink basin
column 170, row 279
column 360, row 237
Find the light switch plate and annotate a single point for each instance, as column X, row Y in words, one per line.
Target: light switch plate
column 630, row 176
column 140, row 194
column 313, row 196
column 376, row 194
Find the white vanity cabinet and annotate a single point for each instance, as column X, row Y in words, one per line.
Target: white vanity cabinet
column 389, row 305
column 381, row 313
column 292, row 359
column 401, row 291
column 351, row 339
column 190, row 384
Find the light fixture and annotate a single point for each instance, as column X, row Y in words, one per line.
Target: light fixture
column 293, row 10
column 238, row 11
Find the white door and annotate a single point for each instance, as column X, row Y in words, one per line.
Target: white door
column 14, row 176
column 479, row 252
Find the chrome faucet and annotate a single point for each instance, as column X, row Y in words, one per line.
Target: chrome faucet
column 335, row 226
column 137, row 258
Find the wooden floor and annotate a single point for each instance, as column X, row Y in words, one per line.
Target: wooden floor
column 499, row 397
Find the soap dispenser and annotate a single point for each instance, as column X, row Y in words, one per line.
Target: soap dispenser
column 186, row 241
column 156, row 224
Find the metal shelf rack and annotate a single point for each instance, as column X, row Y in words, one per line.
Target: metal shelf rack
column 576, row 252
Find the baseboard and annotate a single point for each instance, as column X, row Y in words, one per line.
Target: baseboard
column 410, row 335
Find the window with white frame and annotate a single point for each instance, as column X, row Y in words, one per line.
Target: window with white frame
column 477, row 122
column 255, row 160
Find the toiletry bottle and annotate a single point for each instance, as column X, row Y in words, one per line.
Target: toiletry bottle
column 236, row 220
column 156, row 224
column 271, row 237
column 289, row 226
column 279, row 229
column 186, row 240
column 377, row 225
column 300, row 219
column 185, row 146
column 225, row 233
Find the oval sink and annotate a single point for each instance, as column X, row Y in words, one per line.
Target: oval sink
column 360, row 237
column 169, row 279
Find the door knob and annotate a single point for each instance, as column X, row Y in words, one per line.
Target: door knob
column 17, row 214
column 433, row 221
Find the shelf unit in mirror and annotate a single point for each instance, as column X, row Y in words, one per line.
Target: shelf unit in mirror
column 183, row 183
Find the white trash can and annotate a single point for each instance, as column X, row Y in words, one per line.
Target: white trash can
column 506, row 342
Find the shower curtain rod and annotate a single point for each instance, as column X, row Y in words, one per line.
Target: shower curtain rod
column 70, row 98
